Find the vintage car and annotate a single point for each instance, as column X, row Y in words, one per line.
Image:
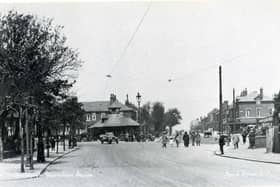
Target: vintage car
column 108, row 137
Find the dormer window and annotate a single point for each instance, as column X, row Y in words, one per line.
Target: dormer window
column 258, row 101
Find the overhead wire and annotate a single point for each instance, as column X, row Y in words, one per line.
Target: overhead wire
column 124, row 51
column 224, row 62
column 131, row 38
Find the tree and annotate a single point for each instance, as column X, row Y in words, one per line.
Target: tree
column 33, row 53
column 73, row 114
column 158, row 117
column 172, row 117
column 145, row 114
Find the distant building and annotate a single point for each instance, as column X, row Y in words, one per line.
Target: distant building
column 249, row 108
column 252, row 108
column 111, row 116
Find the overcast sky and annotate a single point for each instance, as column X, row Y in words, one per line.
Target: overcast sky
column 183, row 41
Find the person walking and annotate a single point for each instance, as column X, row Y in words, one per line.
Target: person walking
column 186, row 139
column 222, row 143
column 193, row 138
column 197, row 139
column 235, row 140
column 52, row 141
column 244, row 135
column 164, row 140
column 252, row 136
column 177, row 139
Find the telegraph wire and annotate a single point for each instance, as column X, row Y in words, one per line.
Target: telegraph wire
column 130, row 40
column 225, row 61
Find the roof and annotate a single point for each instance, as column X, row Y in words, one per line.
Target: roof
column 103, row 106
column 251, row 97
column 116, row 120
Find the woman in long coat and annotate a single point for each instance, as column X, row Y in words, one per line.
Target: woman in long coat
column 186, row 139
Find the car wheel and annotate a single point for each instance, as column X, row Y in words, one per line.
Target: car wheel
column 117, row 141
column 110, row 142
column 102, row 142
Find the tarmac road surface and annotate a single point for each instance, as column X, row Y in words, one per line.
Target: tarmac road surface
column 147, row 164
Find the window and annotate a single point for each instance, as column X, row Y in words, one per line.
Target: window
column 93, row 117
column 103, row 115
column 258, row 101
column 258, row 112
column 88, row 117
column 247, row 113
column 271, row 111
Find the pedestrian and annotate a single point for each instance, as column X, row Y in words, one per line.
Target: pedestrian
column 252, row 136
column 186, row 139
column 222, row 143
column 177, row 139
column 126, row 137
column 193, row 138
column 52, row 141
column 164, row 139
column 244, row 135
column 197, row 139
column 235, row 140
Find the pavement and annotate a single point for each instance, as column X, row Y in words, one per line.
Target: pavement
column 255, row 155
column 132, row 164
column 10, row 168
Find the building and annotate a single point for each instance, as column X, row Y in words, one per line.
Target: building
column 252, row 108
column 111, row 115
column 249, row 108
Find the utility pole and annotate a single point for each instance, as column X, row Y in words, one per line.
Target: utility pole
column 220, row 100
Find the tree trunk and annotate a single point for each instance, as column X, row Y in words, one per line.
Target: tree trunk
column 27, row 140
column 64, row 128
column 40, row 145
column 57, row 140
column 48, row 143
column 31, row 151
column 1, row 144
column 21, row 141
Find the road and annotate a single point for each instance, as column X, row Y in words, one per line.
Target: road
column 147, row 164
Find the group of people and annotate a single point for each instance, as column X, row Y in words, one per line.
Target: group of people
column 249, row 132
column 195, row 138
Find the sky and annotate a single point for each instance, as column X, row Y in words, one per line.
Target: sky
column 183, row 41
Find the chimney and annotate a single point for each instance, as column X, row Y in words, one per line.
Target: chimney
column 127, row 101
column 113, row 98
column 245, row 92
column 261, row 93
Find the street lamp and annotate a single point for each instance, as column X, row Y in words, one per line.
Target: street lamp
column 138, row 98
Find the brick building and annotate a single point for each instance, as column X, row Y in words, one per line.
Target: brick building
column 249, row 108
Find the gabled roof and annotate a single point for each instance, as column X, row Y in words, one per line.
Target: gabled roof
column 95, row 106
column 116, row 120
column 103, row 106
column 251, row 97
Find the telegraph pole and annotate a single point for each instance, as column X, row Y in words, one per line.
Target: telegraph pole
column 220, row 100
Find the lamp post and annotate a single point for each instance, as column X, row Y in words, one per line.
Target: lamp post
column 138, row 98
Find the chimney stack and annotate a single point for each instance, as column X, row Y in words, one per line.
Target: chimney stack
column 261, row 93
column 113, row 98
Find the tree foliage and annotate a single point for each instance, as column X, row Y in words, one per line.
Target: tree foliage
column 157, row 116
column 172, row 117
column 34, row 54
